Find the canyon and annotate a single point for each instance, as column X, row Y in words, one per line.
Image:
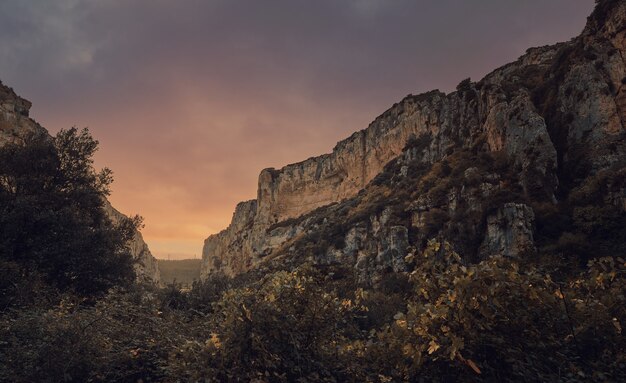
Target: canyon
column 554, row 111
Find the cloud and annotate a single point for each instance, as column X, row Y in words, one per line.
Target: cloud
column 369, row 7
column 43, row 37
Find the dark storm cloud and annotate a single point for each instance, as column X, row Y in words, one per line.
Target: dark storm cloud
column 190, row 99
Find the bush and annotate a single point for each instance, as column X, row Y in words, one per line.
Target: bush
column 501, row 322
column 123, row 338
column 450, row 321
column 286, row 327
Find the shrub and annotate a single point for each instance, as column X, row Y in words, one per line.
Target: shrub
column 123, row 338
column 285, row 327
column 418, row 143
column 464, row 85
column 499, row 321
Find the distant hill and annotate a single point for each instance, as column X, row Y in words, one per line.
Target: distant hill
column 184, row 271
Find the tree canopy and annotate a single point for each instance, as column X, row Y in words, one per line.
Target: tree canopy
column 52, row 217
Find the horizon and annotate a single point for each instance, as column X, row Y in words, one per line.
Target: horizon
column 186, row 135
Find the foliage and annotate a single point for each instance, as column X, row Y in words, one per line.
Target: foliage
column 464, row 89
column 20, row 287
column 498, row 321
column 587, row 224
column 52, row 216
column 602, row 11
column 285, row 327
column 448, row 321
column 556, row 315
column 123, row 338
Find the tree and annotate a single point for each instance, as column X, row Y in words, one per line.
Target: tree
column 52, row 217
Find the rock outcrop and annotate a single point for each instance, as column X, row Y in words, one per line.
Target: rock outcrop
column 14, row 121
column 15, row 125
column 147, row 267
column 509, row 231
column 557, row 114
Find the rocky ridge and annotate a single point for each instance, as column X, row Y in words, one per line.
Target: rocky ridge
column 553, row 121
column 15, row 124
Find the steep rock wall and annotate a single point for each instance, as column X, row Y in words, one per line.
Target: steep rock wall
column 147, row 267
column 14, row 121
column 460, row 119
column 550, row 108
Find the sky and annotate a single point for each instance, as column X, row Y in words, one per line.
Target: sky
column 191, row 99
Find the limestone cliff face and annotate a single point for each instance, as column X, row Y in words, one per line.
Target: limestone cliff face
column 509, row 231
column 300, row 188
column 147, row 267
column 14, row 121
column 15, row 125
column 555, row 108
column 226, row 241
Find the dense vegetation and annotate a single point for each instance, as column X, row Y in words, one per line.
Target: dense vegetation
column 446, row 321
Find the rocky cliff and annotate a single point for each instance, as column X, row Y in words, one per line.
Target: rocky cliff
column 14, row 120
column 15, row 124
column 147, row 268
column 471, row 166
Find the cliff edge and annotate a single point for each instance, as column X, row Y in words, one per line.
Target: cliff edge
column 555, row 117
